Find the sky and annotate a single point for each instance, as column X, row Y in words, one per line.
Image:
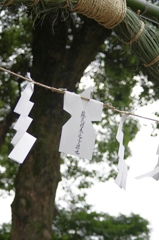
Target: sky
column 141, row 196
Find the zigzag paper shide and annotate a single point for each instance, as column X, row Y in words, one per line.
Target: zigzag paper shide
column 23, row 141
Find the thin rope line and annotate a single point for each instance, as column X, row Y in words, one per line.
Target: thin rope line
column 63, row 90
column 106, row 105
column 58, row 90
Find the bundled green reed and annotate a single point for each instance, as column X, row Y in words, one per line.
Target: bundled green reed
column 146, row 47
column 146, row 44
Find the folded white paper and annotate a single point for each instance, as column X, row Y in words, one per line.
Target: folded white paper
column 122, row 176
column 21, row 129
column 78, row 135
column 122, row 167
column 154, row 173
column 21, row 150
column 22, row 140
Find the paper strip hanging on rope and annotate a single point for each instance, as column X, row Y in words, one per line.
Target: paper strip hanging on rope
column 78, row 135
column 154, row 173
column 22, row 148
column 122, row 167
column 22, row 140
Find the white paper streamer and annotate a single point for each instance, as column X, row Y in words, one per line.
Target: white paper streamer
column 122, row 167
column 22, row 140
column 154, row 173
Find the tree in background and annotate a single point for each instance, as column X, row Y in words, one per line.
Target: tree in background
column 78, row 224
column 57, row 53
column 81, row 225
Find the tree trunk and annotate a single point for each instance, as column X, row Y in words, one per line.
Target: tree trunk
column 59, row 63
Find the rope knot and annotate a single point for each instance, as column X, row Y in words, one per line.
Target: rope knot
column 108, row 13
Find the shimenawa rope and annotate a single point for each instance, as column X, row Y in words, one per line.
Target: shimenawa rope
column 106, row 12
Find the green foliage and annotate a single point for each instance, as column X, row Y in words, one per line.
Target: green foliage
column 84, row 224
column 15, row 47
column 8, row 169
column 5, row 231
column 80, row 224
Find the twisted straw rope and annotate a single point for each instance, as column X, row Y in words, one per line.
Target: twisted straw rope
column 108, row 13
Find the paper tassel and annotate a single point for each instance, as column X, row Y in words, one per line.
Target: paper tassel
column 154, row 173
column 23, row 141
column 122, row 167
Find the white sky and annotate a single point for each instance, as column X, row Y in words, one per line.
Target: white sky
column 141, row 196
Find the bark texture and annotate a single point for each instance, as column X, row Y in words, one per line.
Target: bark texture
column 58, row 62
